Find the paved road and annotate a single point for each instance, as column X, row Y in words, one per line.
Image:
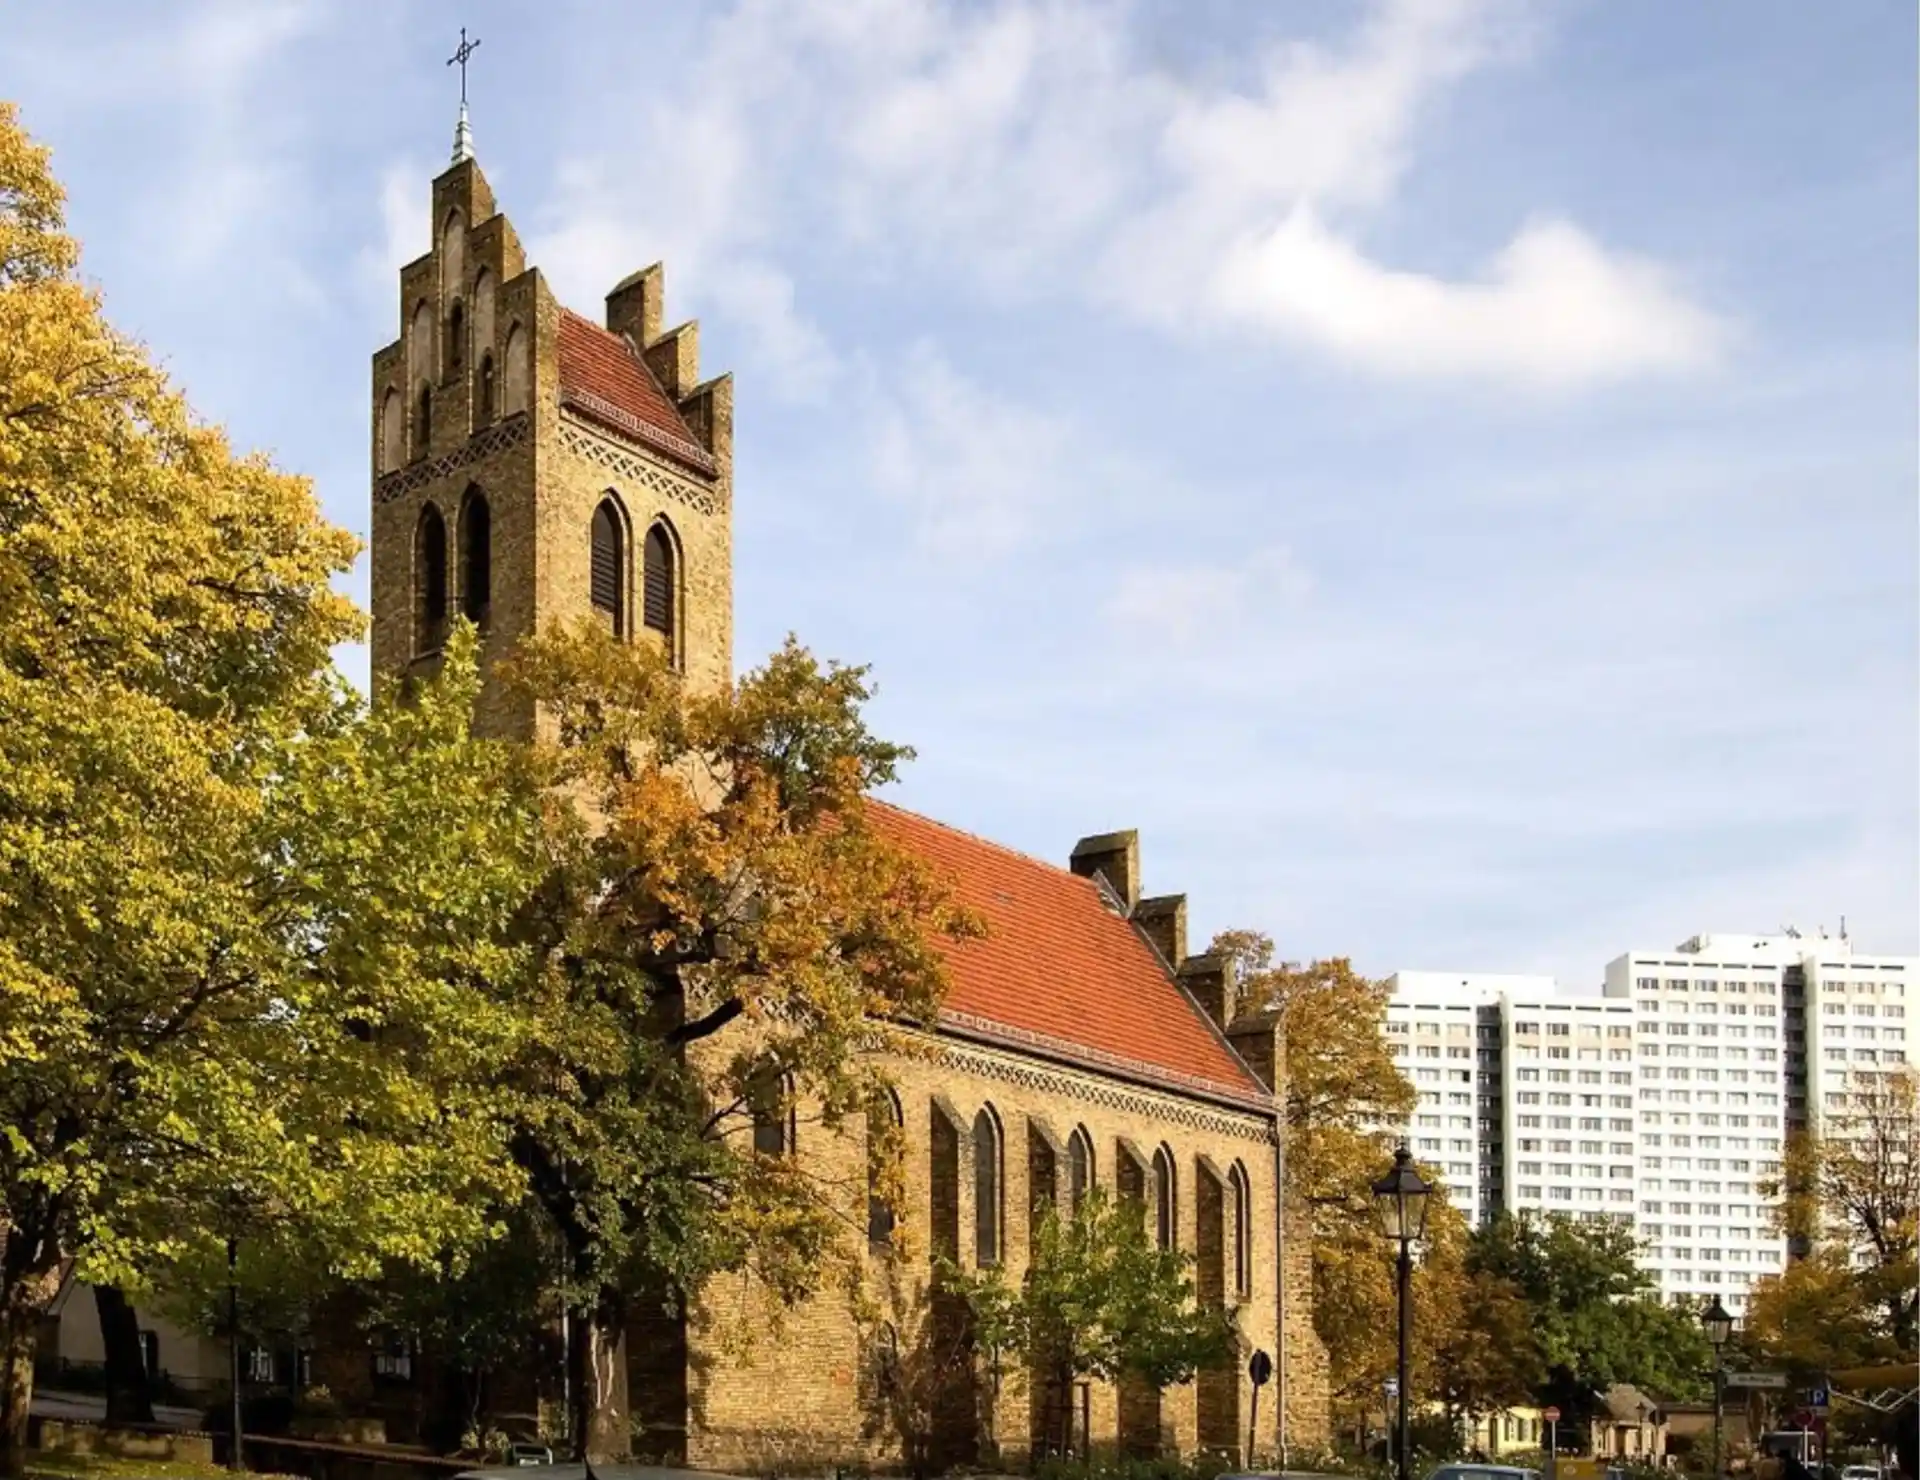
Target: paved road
column 88, row 1407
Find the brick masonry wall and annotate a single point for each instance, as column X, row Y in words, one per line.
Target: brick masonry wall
column 806, row 1393
column 542, row 470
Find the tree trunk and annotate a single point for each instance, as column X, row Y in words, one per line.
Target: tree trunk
column 25, row 1294
column 602, row 1422
column 129, row 1384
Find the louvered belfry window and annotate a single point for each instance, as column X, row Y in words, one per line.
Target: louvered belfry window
column 430, row 581
column 606, row 568
column 659, row 582
column 476, row 540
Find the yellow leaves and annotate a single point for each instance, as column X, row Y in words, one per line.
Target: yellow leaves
column 33, row 244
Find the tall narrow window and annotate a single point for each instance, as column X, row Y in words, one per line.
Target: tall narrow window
column 453, row 254
column 519, row 371
column 1242, row 1232
column 772, row 1115
column 659, row 582
column 1079, row 1167
column 430, row 581
column 393, row 416
column 476, row 557
column 423, row 422
column 883, row 1142
column 483, row 390
column 607, row 577
column 986, row 1189
column 456, row 337
column 420, row 343
column 1164, row 1226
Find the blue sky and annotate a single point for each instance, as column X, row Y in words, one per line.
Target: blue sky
column 1444, row 470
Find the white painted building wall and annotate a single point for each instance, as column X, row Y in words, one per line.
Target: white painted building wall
column 1664, row 1101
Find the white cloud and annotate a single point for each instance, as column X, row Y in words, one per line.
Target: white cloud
column 1331, row 127
column 403, row 227
column 981, row 472
column 1553, row 308
column 1178, row 605
column 1036, row 149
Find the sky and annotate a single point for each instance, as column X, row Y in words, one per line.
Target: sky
column 1443, row 470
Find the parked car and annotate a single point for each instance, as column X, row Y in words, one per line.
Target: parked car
column 1281, row 1475
column 579, row 1472
column 1861, row 1472
column 1483, row 1472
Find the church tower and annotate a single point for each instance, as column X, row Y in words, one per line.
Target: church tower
column 532, row 467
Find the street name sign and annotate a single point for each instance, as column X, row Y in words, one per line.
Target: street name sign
column 1770, row 1381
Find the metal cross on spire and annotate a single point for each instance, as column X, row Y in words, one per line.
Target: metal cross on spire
column 461, row 53
column 462, row 132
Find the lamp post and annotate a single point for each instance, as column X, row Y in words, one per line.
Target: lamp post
column 1642, row 1435
column 1719, row 1326
column 1400, row 1198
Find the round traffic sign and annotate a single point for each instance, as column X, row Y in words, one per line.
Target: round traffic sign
column 1260, row 1368
column 1551, row 1415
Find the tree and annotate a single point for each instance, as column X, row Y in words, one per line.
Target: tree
column 1816, row 1317
column 1356, row 1306
column 1486, row 1357
column 1100, row 1301
column 720, row 945
column 208, row 1023
column 1342, row 1095
column 165, row 622
column 1594, row 1310
column 1854, row 1184
column 1342, row 1086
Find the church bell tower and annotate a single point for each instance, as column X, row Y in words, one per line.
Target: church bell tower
column 533, row 468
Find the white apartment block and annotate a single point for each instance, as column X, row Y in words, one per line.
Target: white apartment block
column 1662, row 1102
column 1446, row 1038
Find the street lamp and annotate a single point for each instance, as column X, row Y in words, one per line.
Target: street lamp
column 1641, row 1436
column 1400, row 1198
column 1718, row 1324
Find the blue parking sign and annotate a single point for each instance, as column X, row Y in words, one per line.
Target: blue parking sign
column 1817, row 1398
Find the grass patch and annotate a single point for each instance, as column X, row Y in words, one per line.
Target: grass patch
column 53, row 1465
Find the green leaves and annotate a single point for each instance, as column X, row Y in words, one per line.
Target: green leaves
column 1595, row 1312
column 1100, row 1300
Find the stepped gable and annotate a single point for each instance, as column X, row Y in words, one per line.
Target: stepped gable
column 1062, row 973
column 601, row 375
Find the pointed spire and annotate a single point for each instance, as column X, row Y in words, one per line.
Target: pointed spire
column 462, row 137
column 463, row 131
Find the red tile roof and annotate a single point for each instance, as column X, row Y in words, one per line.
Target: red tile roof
column 1061, row 973
column 602, row 376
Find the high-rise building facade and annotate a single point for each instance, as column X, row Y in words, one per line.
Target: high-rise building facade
column 1663, row 1101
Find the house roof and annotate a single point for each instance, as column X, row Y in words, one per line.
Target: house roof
column 1062, row 973
column 602, row 376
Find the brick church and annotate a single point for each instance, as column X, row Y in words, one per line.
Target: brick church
column 533, row 466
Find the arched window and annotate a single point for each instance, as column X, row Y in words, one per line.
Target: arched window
column 607, row 577
column 420, row 343
column 456, row 337
column 453, row 254
column 423, row 422
column 1241, row 1194
column 659, row 592
column 986, row 1188
column 1079, row 1167
column 1165, row 1228
column 483, row 390
column 393, row 432
column 482, row 300
column 476, row 557
column 519, row 373
column 771, row 1102
column 883, row 1136
column 430, row 581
